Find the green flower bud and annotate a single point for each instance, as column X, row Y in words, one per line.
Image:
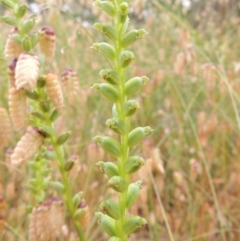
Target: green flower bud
column 49, row 155
column 123, row 11
column 106, row 6
column 10, row 20
column 117, row 125
column 114, row 111
column 136, row 135
column 78, row 213
column 54, row 115
column 108, row 91
column 8, row 4
column 34, row 39
column 109, row 144
column 41, row 81
column 107, row 223
column 26, row 44
column 32, row 94
column 46, row 130
column 114, row 238
column 117, row 183
column 111, row 209
column 32, row 189
column 44, row 106
column 38, row 115
column 133, row 223
column 17, row 38
column 22, row 10
column 132, row 36
column 63, row 137
column 134, row 84
column 33, row 181
column 110, row 75
column 126, row 58
column 29, row 209
column 133, row 193
column 45, row 171
column 77, row 199
column 106, row 29
column 133, row 164
column 109, row 168
column 58, row 186
column 131, row 107
column 68, row 166
column 46, row 181
column 125, row 25
column 28, row 25
column 106, row 49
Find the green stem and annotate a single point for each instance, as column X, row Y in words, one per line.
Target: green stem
column 67, row 192
column 58, row 150
column 124, row 138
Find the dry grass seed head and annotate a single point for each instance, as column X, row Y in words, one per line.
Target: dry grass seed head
column 12, row 49
column 70, row 85
column 27, row 71
column 11, row 73
column 209, row 75
column 27, row 147
column 183, row 38
column 180, row 63
column 5, row 128
column 54, row 90
column 1, row 225
column 56, row 216
column 47, row 42
column 85, row 218
column 17, row 102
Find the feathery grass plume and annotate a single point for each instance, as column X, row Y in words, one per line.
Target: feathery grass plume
column 12, row 48
column 47, row 42
column 54, row 90
column 27, row 71
column 85, row 214
column 17, row 102
column 5, row 128
column 70, row 85
column 28, row 145
column 11, row 73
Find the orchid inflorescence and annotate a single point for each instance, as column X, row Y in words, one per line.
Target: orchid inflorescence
column 113, row 216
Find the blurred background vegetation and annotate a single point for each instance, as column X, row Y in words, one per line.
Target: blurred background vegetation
column 192, row 172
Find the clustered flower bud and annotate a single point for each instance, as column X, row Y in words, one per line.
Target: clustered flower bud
column 12, row 48
column 27, row 147
column 47, row 220
column 47, row 42
column 54, row 90
column 27, row 71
